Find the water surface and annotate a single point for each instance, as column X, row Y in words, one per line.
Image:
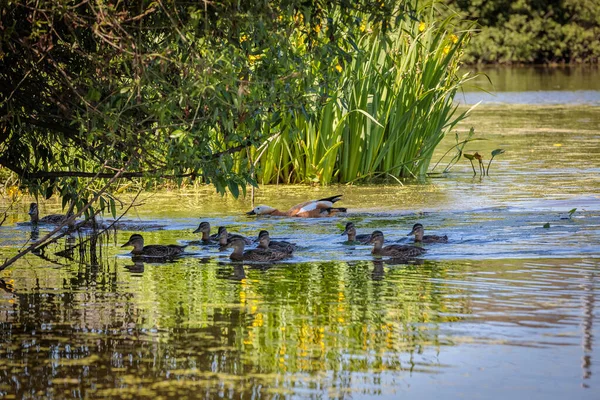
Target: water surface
column 534, row 85
column 506, row 308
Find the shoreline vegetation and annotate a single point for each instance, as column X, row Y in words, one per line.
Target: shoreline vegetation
column 526, row 32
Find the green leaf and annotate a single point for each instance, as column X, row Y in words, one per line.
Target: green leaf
column 469, row 156
column 234, row 189
column 49, row 192
column 497, row 151
column 572, row 211
column 547, row 225
column 113, row 208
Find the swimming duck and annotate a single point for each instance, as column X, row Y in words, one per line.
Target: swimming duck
column 56, row 219
column 418, row 231
column 264, row 255
column 153, row 250
column 353, row 237
column 393, row 250
column 224, row 237
column 265, row 242
column 309, row 209
column 204, row 227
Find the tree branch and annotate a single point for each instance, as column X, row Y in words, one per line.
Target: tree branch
column 45, row 175
column 40, row 242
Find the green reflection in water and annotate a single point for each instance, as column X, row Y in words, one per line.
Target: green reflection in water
column 535, row 78
column 503, row 289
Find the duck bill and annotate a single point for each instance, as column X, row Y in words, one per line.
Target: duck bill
column 411, row 233
column 197, row 230
column 345, row 232
column 127, row 244
column 251, row 213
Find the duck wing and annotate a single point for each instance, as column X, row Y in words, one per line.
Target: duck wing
column 283, row 246
column 53, row 219
column 435, row 239
column 159, row 250
column 364, row 238
column 402, row 251
column 264, row 255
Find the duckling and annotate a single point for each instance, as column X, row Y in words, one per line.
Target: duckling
column 353, row 237
column 263, row 255
column 393, row 250
column 153, row 250
column 224, row 237
column 55, row 219
column 265, row 242
column 309, row 209
column 204, row 227
column 418, row 231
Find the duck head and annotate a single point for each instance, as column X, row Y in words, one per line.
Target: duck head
column 377, row 239
column 263, row 239
column 237, row 243
column 137, row 241
column 261, row 210
column 350, row 231
column 33, row 212
column 418, row 231
column 204, row 227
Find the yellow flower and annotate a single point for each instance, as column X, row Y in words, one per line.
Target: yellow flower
column 447, row 49
column 252, row 58
column 363, row 26
column 317, row 28
column 422, row 26
column 13, row 192
column 339, row 68
column 243, row 38
column 454, row 38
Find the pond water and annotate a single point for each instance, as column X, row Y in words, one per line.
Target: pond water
column 534, row 85
column 506, row 308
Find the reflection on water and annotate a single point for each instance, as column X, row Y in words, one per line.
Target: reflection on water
column 506, row 308
column 309, row 329
column 535, row 85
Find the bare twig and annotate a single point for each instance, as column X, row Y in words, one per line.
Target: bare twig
column 49, row 236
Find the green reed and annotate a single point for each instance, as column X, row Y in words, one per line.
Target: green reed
column 391, row 108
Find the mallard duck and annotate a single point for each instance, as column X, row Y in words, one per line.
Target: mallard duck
column 393, row 250
column 261, row 255
column 353, row 237
column 153, row 250
column 56, row 219
column 309, row 209
column 418, row 231
column 265, row 242
column 224, row 237
column 204, row 227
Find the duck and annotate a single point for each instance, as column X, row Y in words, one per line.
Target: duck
column 393, row 250
column 265, row 242
column 56, row 219
column 224, row 237
column 418, row 231
column 259, row 254
column 204, row 227
column 308, row 209
column 353, row 237
column 153, row 250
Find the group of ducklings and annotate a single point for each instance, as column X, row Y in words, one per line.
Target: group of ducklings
column 269, row 250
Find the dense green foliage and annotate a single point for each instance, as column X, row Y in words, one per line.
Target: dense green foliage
column 183, row 90
column 532, row 31
column 393, row 106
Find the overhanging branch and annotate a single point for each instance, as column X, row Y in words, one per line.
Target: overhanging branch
column 45, row 175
